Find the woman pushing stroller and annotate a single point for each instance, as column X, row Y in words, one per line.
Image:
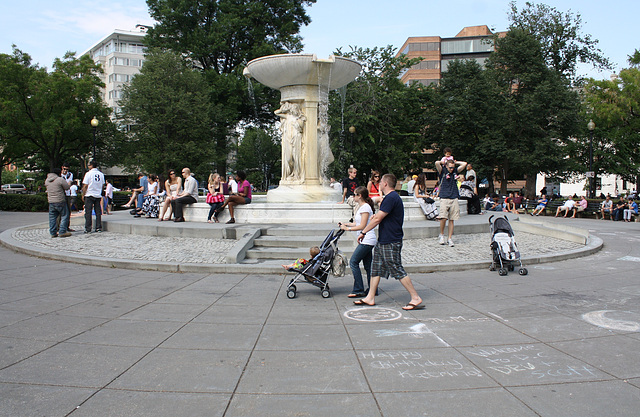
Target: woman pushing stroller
column 364, row 251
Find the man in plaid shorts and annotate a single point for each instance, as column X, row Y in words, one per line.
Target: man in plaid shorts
column 386, row 257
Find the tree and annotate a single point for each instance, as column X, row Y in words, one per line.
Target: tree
column 540, row 111
column 388, row 116
column 46, row 115
column 465, row 114
column 220, row 37
column 259, row 155
column 615, row 109
column 167, row 106
column 563, row 44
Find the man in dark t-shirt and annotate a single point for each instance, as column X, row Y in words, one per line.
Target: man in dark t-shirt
column 349, row 186
column 387, row 259
column 448, row 193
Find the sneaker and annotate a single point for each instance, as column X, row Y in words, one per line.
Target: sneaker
column 98, row 230
column 441, row 239
column 450, row 242
column 54, row 236
column 86, row 232
column 65, row 234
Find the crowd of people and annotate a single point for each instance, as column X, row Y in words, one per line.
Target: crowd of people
column 152, row 200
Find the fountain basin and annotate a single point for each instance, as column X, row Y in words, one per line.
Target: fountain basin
column 278, row 71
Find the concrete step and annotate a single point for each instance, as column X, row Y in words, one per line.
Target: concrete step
column 287, row 254
column 298, row 241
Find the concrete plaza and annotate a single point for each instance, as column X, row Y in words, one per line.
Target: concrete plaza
column 82, row 340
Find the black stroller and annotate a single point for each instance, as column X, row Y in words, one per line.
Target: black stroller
column 316, row 271
column 503, row 247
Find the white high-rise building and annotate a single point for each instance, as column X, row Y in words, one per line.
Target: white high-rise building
column 121, row 54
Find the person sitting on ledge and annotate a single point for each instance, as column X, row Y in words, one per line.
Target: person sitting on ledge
column 189, row 195
column 243, row 196
column 566, row 207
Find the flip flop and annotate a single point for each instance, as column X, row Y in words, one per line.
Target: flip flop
column 411, row 306
column 362, row 303
column 356, row 295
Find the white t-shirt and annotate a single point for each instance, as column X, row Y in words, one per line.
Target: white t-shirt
column 569, row 204
column 153, row 189
column 370, row 238
column 69, row 178
column 410, row 186
column 233, row 186
column 73, row 190
column 95, row 181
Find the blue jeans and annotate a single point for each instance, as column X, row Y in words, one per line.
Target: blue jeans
column 362, row 253
column 55, row 210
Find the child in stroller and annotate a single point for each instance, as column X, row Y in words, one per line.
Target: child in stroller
column 316, row 271
column 301, row 262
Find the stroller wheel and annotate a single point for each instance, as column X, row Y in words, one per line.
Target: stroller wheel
column 291, row 292
column 523, row 271
column 326, row 293
column 502, row 271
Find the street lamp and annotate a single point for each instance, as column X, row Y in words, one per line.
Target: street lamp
column 94, row 124
column 352, row 131
column 592, row 176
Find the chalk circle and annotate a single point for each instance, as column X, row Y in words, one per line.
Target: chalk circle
column 373, row 314
column 617, row 320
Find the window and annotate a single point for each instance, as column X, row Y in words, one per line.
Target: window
column 421, row 46
column 459, row 46
column 115, row 94
column 427, row 65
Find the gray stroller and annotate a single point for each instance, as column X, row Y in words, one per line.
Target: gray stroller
column 504, row 250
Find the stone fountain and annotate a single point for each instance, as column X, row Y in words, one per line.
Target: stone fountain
column 304, row 82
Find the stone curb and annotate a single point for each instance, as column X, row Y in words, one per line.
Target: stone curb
column 593, row 245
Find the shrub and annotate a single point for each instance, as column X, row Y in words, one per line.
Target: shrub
column 24, row 202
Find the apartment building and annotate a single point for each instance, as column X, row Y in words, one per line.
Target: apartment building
column 121, row 54
column 470, row 43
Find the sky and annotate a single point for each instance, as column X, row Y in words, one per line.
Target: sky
column 47, row 29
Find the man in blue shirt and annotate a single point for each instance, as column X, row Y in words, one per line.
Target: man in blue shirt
column 387, row 259
column 448, row 193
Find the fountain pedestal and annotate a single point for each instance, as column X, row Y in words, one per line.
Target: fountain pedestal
column 304, row 82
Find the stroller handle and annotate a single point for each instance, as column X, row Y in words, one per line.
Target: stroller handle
column 490, row 217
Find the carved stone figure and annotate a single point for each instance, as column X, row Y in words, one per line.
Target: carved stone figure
column 292, row 122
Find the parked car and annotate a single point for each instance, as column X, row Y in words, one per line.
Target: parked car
column 14, row 189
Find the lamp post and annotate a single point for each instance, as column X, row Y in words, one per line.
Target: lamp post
column 94, row 125
column 592, row 176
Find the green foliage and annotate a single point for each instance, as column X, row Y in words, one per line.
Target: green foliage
column 512, row 119
column 169, row 107
column 614, row 106
column 388, row 117
column 219, row 37
column 563, row 44
column 24, row 202
column 259, row 155
column 46, row 115
column 466, row 115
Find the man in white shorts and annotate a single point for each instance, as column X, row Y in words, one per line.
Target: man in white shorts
column 566, row 207
column 448, row 193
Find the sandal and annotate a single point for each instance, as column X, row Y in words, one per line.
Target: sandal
column 361, row 302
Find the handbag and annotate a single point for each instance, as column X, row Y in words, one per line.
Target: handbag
column 218, row 198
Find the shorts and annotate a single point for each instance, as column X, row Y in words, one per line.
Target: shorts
column 565, row 208
column 540, row 207
column 449, row 209
column 579, row 208
column 387, row 261
column 247, row 200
